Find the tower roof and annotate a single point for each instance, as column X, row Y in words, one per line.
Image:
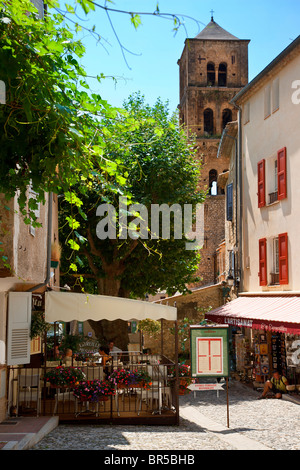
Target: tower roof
column 213, row 32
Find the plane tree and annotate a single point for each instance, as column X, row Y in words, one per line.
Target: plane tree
column 161, row 168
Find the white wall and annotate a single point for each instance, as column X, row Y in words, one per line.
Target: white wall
column 262, row 138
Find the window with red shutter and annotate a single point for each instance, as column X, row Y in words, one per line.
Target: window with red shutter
column 281, row 173
column 263, row 262
column 283, row 258
column 261, row 183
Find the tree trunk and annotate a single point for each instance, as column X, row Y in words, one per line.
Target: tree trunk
column 110, row 285
column 116, row 331
column 105, row 330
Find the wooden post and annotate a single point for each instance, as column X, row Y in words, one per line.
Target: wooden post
column 161, row 337
column 176, row 374
column 45, row 369
column 227, row 402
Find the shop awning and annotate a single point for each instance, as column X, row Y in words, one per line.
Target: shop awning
column 69, row 306
column 269, row 313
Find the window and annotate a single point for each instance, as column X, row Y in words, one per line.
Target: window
column 267, row 101
column 213, row 177
column 18, row 328
column 275, row 95
column 261, row 183
column 229, row 201
column 283, row 258
column 275, row 261
column 231, row 263
column 222, row 75
column 226, row 117
column 272, row 180
column 211, row 74
column 262, row 262
column 208, row 121
column 276, row 177
column 281, row 173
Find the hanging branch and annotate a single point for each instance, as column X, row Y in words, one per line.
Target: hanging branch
column 135, row 18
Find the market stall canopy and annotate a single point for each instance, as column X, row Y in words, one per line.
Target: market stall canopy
column 69, row 306
column 269, row 313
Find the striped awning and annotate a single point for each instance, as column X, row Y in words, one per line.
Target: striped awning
column 269, row 313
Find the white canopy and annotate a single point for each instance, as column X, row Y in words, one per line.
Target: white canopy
column 69, row 306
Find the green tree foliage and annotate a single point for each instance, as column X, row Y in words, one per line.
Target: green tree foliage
column 50, row 125
column 161, row 168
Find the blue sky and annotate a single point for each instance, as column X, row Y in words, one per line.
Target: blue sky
column 152, row 69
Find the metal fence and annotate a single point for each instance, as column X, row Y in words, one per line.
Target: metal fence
column 30, row 393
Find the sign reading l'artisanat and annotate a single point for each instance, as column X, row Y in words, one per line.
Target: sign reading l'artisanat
column 209, row 351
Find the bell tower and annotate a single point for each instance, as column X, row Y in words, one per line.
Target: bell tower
column 213, row 67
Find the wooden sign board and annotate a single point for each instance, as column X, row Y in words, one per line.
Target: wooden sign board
column 209, row 351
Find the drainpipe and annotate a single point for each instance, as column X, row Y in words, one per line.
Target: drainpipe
column 49, row 237
column 239, row 161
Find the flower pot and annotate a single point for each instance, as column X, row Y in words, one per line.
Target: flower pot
column 138, row 385
column 61, row 387
column 123, row 386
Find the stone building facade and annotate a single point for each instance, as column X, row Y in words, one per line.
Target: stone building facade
column 24, row 267
column 191, row 306
column 213, row 67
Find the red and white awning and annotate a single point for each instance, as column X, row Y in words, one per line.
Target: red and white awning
column 269, row 313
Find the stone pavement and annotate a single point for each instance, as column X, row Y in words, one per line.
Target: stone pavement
column 253, row 425
column 24, row 432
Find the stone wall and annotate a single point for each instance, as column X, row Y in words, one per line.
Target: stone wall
column 188, row 306
column 214, row 233
column 197, row 95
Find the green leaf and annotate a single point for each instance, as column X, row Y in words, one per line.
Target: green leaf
column 73, row 245
column 135, row 20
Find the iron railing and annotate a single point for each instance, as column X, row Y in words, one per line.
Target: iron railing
column 30, row 392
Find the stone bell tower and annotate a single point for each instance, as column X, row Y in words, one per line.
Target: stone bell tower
column 213, row 67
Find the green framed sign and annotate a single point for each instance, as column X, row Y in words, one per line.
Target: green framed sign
column 209, row 351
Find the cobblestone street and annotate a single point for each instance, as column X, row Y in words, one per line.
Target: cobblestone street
column 253, row 424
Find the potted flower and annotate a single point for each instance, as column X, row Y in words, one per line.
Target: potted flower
column 93, row 390
column 143, row 379
column 61, row 377
column 184, row 376
column 130, row 379
column 122, row 378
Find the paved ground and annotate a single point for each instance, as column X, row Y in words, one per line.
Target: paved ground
column 253, row 425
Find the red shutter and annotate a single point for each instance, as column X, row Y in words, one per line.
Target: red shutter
column 261, row 183
column 281, row 172
column 263, row 262
column 283, row 258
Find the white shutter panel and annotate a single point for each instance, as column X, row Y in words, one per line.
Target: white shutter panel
column 19, row 322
